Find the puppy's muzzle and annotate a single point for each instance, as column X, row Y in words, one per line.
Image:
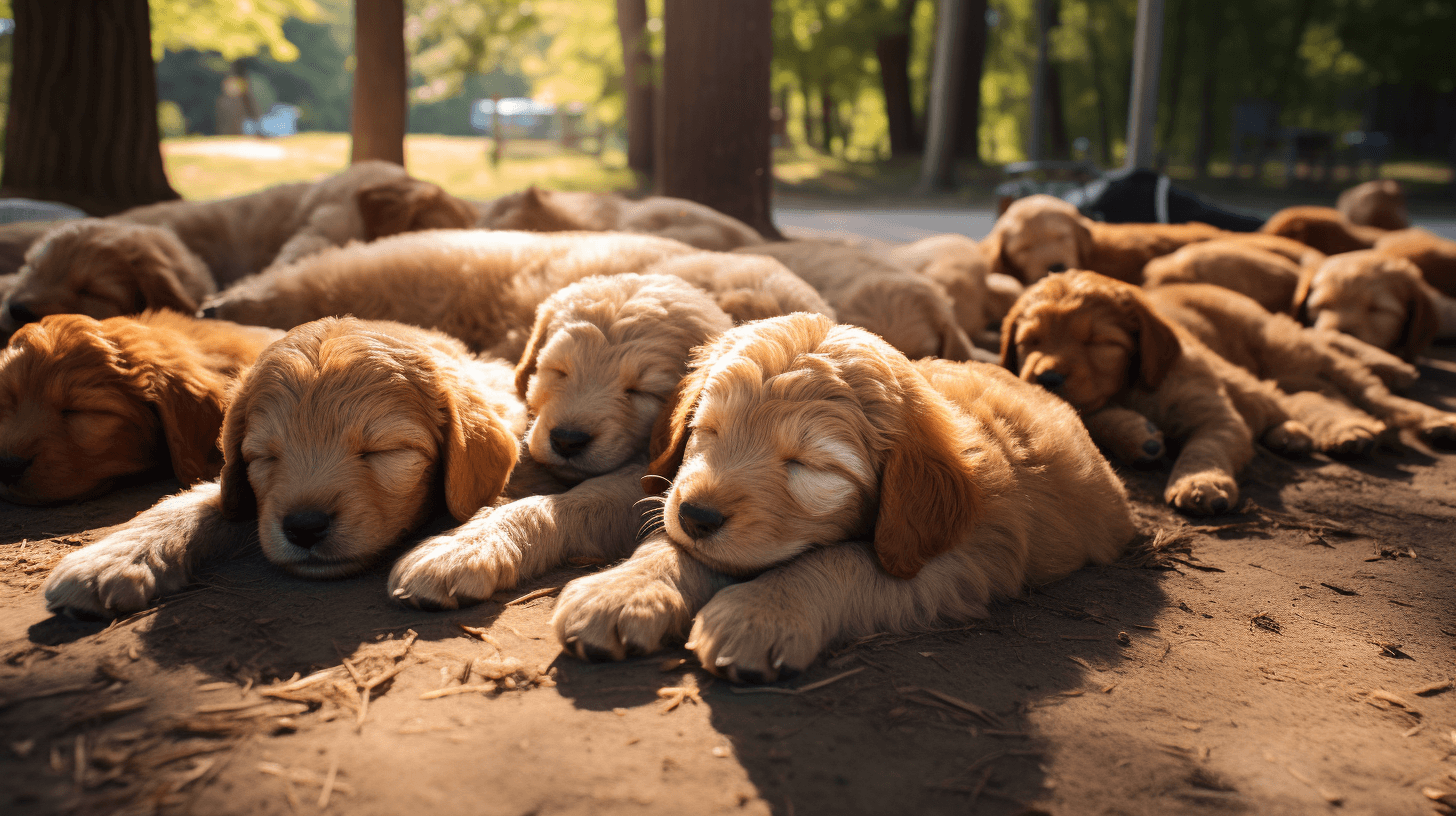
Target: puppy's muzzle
column 12, row 468
column 568, row 442
column 20, row 314
column 1051, row 380
column 699, row 522
column 306, row 528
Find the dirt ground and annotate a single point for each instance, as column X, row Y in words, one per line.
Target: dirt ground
column 1293, row 658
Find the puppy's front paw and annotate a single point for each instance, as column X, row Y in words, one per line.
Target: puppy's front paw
column 617, row 613
column 453, row 570
column 1439, row 432
column 1203, row 494
column 1349, row 437
column 107, row 581
column 747, row 638
column 1289, row 438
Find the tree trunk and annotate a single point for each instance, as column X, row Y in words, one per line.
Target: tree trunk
column 715, row 146
column 893, row 53
column 380, row 113
column 937, row 171
column 82, row 127
column 1175, row 78
column 973, row 62
column 826, row 116
column 1058, row 147
column 1099, row 89
column 637, row 82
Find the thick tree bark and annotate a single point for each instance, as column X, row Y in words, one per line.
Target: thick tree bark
column 638, row 84
column 937, row 171
column 380, row 113
column 82, row 127
column 893, row 53
column 973, row 61
column 715, row 145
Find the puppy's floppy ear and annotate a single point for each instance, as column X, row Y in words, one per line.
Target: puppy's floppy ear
column 993, row 246
column 540, row 333
column 669, row 440
column 478, row 452
column 408, row 205
column 928, row 500
column 1010, row 359
column 1299, row 306
column 1082, row 233
column 238, row 500
column 159, row 286
column 1158, row 346
column 1422, row 321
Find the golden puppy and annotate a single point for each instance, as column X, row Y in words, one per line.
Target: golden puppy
column 1323, row 228
column 1435, row 256
column 1266, row 277
column 174, row 254
column 1302, row 255
column 747, row 287
column 1375, row 297
column 85, row 403
column 1097, row 343
column 958, row 265
column 1306, row 362
column 1041, row 234
column 537, row 210
column 824, row 487
column 1379, row 203
column 342, row 438
column 604, row 357
column 911, row 312
column 410, row 205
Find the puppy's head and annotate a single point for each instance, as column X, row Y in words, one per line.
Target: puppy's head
column 1379, row 203
column 1036, row 236
column 410, row 205
column 747, row 287
column 85, row 402
column 914, row 315
column 1086, row 337
column 1374, row 297
column 103, row 269
column 345, row 433
column 603, row 358
column 792, row 433
column 536, row 210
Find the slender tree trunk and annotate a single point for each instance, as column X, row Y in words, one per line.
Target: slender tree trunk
column 637, row 82
column 1175, row 78
column 893, row 53
column 1099, row 88
column 973, row 62
column 715, row 146
column 937, row 170
column 1208, row 94
column 82, row 127
column 826, row 117
column 380, row 113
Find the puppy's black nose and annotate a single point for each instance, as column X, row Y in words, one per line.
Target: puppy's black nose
column 1051, row 380
column 305, row 528
column 12, row 468
column 568, row 442
column 1057, row 267
column 207, row 313
column 21, row 314
column 699, row 522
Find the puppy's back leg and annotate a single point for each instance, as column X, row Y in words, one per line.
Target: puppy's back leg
column 152, row 555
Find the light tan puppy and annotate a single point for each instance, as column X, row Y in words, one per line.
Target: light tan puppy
column 1323, row 228
column 1098, row 343
column 1435, row 256
column 538, row 210
column 85, row 404
column 960, row 267
column 911, row 312
column 343, row 437
column 1375, row 297
column 1042, row 234
column 1379, row 203
column 603, row 360
column 824, row 487
column 1266, row 277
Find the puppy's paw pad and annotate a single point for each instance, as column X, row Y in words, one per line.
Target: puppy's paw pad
column 1289, row 438
column 1439, row 434
column 1204, row 495
column 745, row 641
column 599, row 619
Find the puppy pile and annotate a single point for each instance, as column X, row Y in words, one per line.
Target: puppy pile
column 789, row 443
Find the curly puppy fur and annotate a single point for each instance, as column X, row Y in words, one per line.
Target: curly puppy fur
column 85, row 404
column 1375, row 297
column 1267, row 277
column 910, row 311
column 537, row 210
column 1379, row 203
column 825, row 487
column 1323, row 228
column 343, row 437
column 1042, row 234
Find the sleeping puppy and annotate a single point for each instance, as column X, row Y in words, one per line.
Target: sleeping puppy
column 408, row 204
column 343, row 437
column 1266, row 277
column 537, row 210
column 1375, row 297
column 958, row 265
column 1379, row 203
column 1042, row 234
column 1322, row 228
column 86, row 403
column 747, row 287
column 823, row 487
column 174, row 254
column 604, row 358
column 1098, row 344
column 911, row 312
column 1305, row 362
column 1435, row 256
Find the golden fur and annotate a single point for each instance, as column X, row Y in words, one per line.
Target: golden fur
column 86, row 403
column 1323, row 228
column 856, row 493
column 15, row 240
column 1333, row 385
column 1379, row 203
column 1098, row 343
column 960, row 267
column 410, row 205
column 910, row 311
column 1435, row 256
column 1378, row 298
column 344, row 436
column 483, row 286
column 537, row 210
column 1041, row 234
column 1267, row 277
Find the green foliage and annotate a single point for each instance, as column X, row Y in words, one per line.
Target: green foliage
column 449, row 40
column 233, row 28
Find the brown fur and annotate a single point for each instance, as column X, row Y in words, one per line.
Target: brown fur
column 537, row 210
column 1041, row 234
column 1266, row 277
column 1322, row 228
column 1435, row 256
column 1375, row 297
column 410, row 205
column 911, row 312
column 861, row 493
column 960, row 267
column 15, row 240
column 1379, row 203
column 90, row 403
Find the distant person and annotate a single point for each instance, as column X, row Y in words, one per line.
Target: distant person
column 1144, row 196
